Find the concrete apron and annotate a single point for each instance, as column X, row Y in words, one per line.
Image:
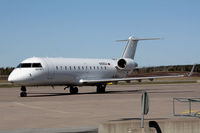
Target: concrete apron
column 180, row 125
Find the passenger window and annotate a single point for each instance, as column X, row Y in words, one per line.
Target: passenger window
column 86, row 67
column 36, row 65
column 94, row 67
column 97, row 67
column 90, row 68
column 105, row 67
column 74, row 68
column 60, row 67
column 65, row 67
column 78, row 67
column 101, row 67
column 56, row 67
column 70, row 67
column 82, row 67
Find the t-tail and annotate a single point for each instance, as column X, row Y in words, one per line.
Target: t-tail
column 131, row 46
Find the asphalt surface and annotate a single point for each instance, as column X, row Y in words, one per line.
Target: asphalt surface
column 55, row 110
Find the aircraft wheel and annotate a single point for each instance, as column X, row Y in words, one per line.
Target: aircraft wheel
column 101, row 88
column 23, row 94
column 73, row 90
column 76, row 90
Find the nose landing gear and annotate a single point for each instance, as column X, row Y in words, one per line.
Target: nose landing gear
column 72, row 89
column 23, row 93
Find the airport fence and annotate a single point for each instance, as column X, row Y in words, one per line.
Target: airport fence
column 186, row 107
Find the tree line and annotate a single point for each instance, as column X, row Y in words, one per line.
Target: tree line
column 6, row 71
column 170, row 68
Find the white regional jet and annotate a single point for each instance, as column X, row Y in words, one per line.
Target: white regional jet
column 73, row 72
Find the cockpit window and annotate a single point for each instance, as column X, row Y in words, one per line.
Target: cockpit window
column 36, row 65
column 25, row 65
column 19, row 65
column 29, row 65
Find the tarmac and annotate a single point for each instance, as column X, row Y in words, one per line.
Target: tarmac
column 55, row 110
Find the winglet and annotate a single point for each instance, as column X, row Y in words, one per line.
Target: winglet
column 192, row 70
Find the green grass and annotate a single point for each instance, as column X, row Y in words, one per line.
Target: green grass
column 4, row 81
column 8, row 85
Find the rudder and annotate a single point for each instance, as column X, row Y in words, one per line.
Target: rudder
column 130, row 49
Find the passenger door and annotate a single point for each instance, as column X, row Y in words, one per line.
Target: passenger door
column 50, row 70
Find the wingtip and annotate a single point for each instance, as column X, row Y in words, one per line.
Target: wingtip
column 192, row 70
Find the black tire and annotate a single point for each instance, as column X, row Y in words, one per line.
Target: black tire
column 23, row 94
column 73, row 90
column 101, row 88
column 98, row 89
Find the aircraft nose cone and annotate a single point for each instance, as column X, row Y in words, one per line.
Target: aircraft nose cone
column 17, row 77
column 11, row 78
column 20, row 77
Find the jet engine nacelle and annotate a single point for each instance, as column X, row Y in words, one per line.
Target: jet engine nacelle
column 126, row 64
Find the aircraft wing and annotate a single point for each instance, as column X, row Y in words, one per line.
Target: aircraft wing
column 90, row 81
column 93, row 81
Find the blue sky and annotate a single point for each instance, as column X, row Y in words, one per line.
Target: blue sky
column 89, row 28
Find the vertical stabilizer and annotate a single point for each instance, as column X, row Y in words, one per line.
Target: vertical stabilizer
column 130, row 49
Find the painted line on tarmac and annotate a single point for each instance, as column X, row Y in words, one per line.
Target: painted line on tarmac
column 47, row 109
column 192, row 111
column 40, row 108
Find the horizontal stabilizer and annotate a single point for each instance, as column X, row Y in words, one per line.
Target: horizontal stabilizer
column 139, row 39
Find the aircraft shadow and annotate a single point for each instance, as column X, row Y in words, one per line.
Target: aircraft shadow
column 107, row 92
column 46, row 94
column 85, row 93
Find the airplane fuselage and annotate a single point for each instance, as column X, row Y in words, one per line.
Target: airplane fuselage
column 64, row 71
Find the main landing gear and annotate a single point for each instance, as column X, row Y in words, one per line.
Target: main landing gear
column 101, row 88
column 73, row 90
column 23, row 93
